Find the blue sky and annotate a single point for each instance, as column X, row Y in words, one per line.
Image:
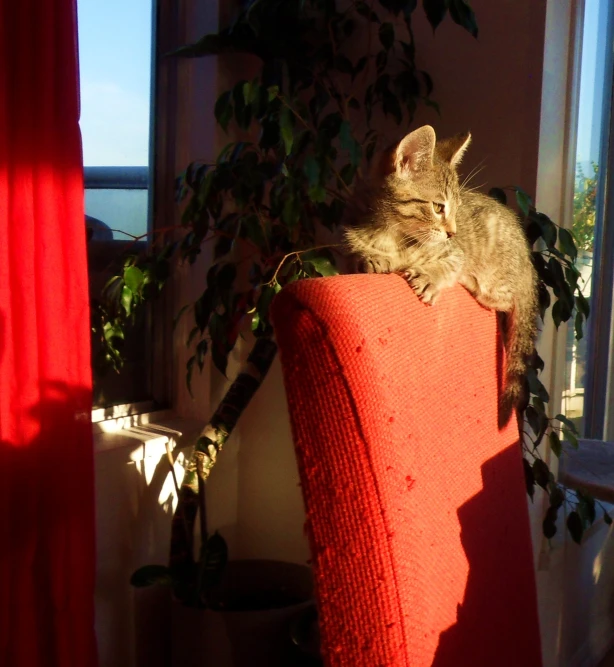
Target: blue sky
column 591, row 82
column 114, row 54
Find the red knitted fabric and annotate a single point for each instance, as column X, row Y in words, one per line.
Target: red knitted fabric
column 416, row 505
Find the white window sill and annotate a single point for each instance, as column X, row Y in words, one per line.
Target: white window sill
column 149, row 434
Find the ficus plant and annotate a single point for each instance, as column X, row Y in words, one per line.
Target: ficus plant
column 312, row 116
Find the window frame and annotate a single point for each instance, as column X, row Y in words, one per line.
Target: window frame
column 149, row 177
column 598, row 399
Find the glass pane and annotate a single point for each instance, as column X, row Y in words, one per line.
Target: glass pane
column 115, row 71
column 590, row 136
column 121, row 214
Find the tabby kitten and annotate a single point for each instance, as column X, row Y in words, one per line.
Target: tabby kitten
column 412, row 216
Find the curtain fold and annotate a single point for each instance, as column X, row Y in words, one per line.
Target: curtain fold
column 46, row 457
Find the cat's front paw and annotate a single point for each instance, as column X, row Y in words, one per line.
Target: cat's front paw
column 422, row 285
column 374, row 265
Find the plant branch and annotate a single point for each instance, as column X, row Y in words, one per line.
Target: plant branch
column 297, row 253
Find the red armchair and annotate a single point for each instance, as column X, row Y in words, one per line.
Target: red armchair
column 416, row 504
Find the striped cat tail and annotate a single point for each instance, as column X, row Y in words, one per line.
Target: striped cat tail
column 519, row 335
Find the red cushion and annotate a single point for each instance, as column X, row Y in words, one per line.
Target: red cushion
column 416, row 504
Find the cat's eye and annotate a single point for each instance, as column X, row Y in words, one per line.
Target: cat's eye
column 438, row 208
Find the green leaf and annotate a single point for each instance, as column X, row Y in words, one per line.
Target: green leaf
column 565, row 420
column 541, row 472
column 291, row 210
column 349, row 143
column 536, row 387
column 557, row 497
column 343, row 64
column 255, row 320
column 549, row 524
column 112, row 330
column 151, row 574
column 134, row 278
column 347, row 173
column 555, row 443
column 192, row 335
column 126, row 299
column 264, row 301
column 251, row 91
column 528, row 478
column 567, row 243
column 286, row 125
column 391, row 105
column 365, row 11
column 201, row 353
column 322, row 265
column 571, row 438
column 498, row 194
column 358, row 68
column 578, row 326
column 532, row 417
column 523, row 200
column 223, row 109
column 575, row 527
column 462, row 14
column 582, row 304
column 317, row 193
column 273, row 92
column 586, row 508
column 331, row 125
column 435, row 11
column 311, row 167
column 386, row 35
column 548, row 229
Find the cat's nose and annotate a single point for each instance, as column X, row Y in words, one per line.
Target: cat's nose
column 450, row 233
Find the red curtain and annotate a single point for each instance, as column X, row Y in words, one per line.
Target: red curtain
column 46, row 458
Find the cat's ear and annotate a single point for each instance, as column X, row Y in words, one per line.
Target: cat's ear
column 452, row 150
column 415, row 151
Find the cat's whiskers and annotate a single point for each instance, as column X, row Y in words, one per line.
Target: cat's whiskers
column 473, row 173
column 464, row 190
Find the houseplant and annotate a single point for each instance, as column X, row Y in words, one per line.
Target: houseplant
column 271, row 204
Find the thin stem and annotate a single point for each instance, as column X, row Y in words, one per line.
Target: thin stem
column 296, row 253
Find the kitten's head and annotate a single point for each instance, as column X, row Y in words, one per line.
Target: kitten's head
column 421, row 185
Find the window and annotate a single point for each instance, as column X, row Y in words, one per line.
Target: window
column 585, row 394
column 115, row 45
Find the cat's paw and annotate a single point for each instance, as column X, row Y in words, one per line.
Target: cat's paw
column 425, row 290
column 374, row 265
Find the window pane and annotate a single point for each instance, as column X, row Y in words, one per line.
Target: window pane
column 123, row 211
column 115, row 70
column 590, row 137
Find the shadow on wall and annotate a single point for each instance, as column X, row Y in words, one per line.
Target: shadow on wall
column 498, row 617
column 134, row 508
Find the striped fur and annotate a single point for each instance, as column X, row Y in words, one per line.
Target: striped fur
column 412, row 216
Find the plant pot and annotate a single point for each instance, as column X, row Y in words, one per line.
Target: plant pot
column 263, row 601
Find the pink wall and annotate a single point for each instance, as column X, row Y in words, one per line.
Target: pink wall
column 491, row 86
